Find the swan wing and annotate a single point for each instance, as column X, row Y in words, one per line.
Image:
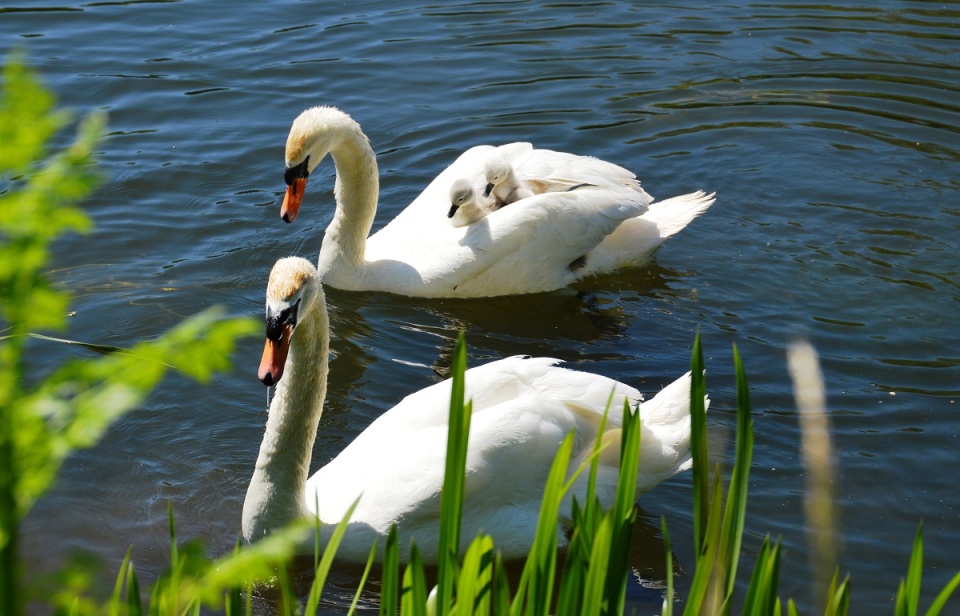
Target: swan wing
column 522, row 409
column 549, row 170
column 526, row 247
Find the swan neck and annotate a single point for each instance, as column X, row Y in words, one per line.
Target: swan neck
column 356, row 190
column 275, row 496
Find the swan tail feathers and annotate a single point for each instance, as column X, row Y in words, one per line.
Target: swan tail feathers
column 674, row 214
column 665, row 434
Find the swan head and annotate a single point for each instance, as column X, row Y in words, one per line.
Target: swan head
column 497, row 170
column 461, row 195
column 314, row 134
column 291, row 292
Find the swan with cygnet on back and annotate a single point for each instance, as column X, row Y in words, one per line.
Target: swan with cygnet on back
column 554, row 240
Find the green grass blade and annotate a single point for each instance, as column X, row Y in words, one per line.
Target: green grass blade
column 624, row 511
column 389, row 579
column 755, row 590
column 113, row 606
column 175, row 565
column 703, row 587
column 451, row 505
column 134, row 604
column 668, row 600
column 736, row 506
column 595, row 598
column 944, row 596
column 501, row 587
column 577, row 561
column 540, row 569
column 698, row 446
column 915, row 574
column 595, row 465
column 413, row 599
column 157, row 600
column 838, row 598
column 326, row 560
column 762, row 593
column 363, row 578
column 476, row 577
column 286, row 598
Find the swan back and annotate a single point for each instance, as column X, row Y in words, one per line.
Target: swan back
column 522, row 409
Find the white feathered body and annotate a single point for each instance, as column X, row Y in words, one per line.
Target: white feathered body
column 556, row 238
column 522, row 409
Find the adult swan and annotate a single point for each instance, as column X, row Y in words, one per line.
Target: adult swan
column 542, row 243
column 522, row 409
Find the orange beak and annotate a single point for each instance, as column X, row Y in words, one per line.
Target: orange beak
column 274, row 358
column 291, row 200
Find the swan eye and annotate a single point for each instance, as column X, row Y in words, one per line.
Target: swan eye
column 276, row 322
column 290, row 174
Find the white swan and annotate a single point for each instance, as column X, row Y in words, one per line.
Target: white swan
column 556, row 239
column 522, row 408
column 465, row 206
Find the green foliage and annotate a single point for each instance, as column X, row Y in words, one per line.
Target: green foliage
column 454, row 480
column 43, row 423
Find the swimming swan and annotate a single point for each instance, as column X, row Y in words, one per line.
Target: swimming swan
column 556, row 239
column 522, row 409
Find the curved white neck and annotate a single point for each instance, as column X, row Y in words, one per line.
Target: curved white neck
column 275, row 496
column 357, row 190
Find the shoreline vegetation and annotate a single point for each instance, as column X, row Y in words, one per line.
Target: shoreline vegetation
column 44, row 422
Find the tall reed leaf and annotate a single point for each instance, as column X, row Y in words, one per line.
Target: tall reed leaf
column 475, row 585
column 501, row 587
column 624, row 512
column 115, row 600
column 736, row 506
column 451, row 498
column 698, row 446
column 944, row 595
column 762, row 592
column 390, row 579
column 908, row 598
column 536, row 583
column 596, row 599
column 413, row 599
column 837, row 601
column 363, row 578
column 668, row 599
column 322, row 568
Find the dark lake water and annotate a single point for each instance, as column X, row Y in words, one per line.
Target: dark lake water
column 831, row 134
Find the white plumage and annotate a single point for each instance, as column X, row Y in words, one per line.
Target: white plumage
column 555, row 239
column 522, row 409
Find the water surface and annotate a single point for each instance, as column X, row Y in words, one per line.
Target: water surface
column 829, row 132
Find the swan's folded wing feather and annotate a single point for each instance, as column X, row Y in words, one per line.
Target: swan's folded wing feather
column 522, row 408
column 532, row 245
column 562, row 170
